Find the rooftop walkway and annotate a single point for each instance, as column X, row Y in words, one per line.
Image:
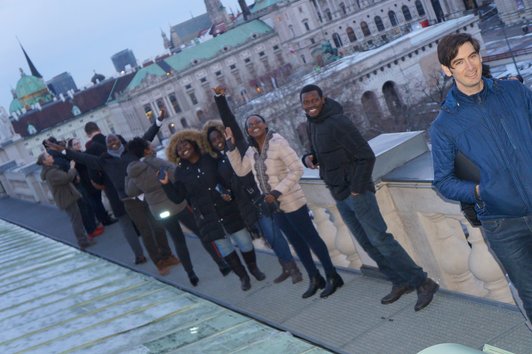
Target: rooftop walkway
column 54, row 298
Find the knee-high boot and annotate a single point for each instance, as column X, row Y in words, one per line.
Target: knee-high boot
column 220, row 262
column 251, row 261
column 236, row 266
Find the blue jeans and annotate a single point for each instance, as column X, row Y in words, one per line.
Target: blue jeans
column 241, row 238
column 362, row 216
column 272, row 233
column 510, row 241
column 300, row 231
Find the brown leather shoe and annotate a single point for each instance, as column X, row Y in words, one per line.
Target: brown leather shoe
column 425, row 293
column 163, row 268
column 396, row 293
column 171, row 261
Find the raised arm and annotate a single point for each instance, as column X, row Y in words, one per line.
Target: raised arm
column 88, row 160
column 229, row 119
column 241, row 163
column 151, row 133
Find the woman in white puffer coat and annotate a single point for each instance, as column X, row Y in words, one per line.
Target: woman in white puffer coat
column 277, row 170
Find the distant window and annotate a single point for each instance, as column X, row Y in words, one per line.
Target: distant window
column 365, row 29
column 247, row 60
column 218, row 73
column 342, row 7
column 406, row 13
column 307, row 27
column 275, row 47
column 351, row 34
column 303, row 59
column 148, row 112
column 160, row 104
column 312, row 41
column 379, row 24
column 419, row 8
column 393, row 18
column 203, row 79
column 184, row 123
column 173, row 101
column 261, row 54
column 193, row 98
column 232, row 66
column 75, row 110
column 188, row 87
column 337, row 40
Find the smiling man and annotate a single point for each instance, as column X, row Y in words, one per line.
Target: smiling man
column 346, row 161
column 490, row 122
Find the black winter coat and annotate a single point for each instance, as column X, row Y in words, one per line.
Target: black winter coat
column 115, row 168
column 197, row 184
column 345, row 158
column 244, row 191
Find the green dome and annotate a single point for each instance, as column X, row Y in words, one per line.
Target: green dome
column 31, row 89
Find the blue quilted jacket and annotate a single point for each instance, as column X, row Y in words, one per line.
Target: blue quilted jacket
column 494, row 130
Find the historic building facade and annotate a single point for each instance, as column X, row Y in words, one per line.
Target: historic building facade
column 280, row 42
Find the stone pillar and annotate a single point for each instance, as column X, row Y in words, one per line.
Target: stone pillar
column 486, row 268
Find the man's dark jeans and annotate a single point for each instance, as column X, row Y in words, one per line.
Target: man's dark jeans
column 510, row 240
column 362, row 216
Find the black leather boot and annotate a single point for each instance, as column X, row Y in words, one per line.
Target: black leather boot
column 193, row 278
column 334, row 281
column 220, row 262
column 316, row 282
column 251, row 261
column 236, row 266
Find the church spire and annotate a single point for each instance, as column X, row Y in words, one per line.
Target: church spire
column 33, row 69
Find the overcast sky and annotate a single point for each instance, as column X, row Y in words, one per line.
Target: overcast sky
column 80, row 36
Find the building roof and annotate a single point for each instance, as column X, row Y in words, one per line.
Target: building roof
column 260, row 5
column 56, row 112
column 204, row 51
column 189, row 30
column 141, row 74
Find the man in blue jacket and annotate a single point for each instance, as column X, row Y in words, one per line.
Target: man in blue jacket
column 490, row 122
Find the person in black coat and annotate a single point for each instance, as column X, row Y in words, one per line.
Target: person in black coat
column 197, row 180
column 247, row 196
column 345, row 162
column 97, row 146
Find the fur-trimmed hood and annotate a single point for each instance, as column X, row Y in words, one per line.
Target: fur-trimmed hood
column 192, row 135
column 208, row 127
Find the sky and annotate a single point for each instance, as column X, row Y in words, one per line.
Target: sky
column 80, row 36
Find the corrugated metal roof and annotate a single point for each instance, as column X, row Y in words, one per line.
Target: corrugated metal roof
column 56, row 299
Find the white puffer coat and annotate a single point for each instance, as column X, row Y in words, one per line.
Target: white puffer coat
column 277, row 168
